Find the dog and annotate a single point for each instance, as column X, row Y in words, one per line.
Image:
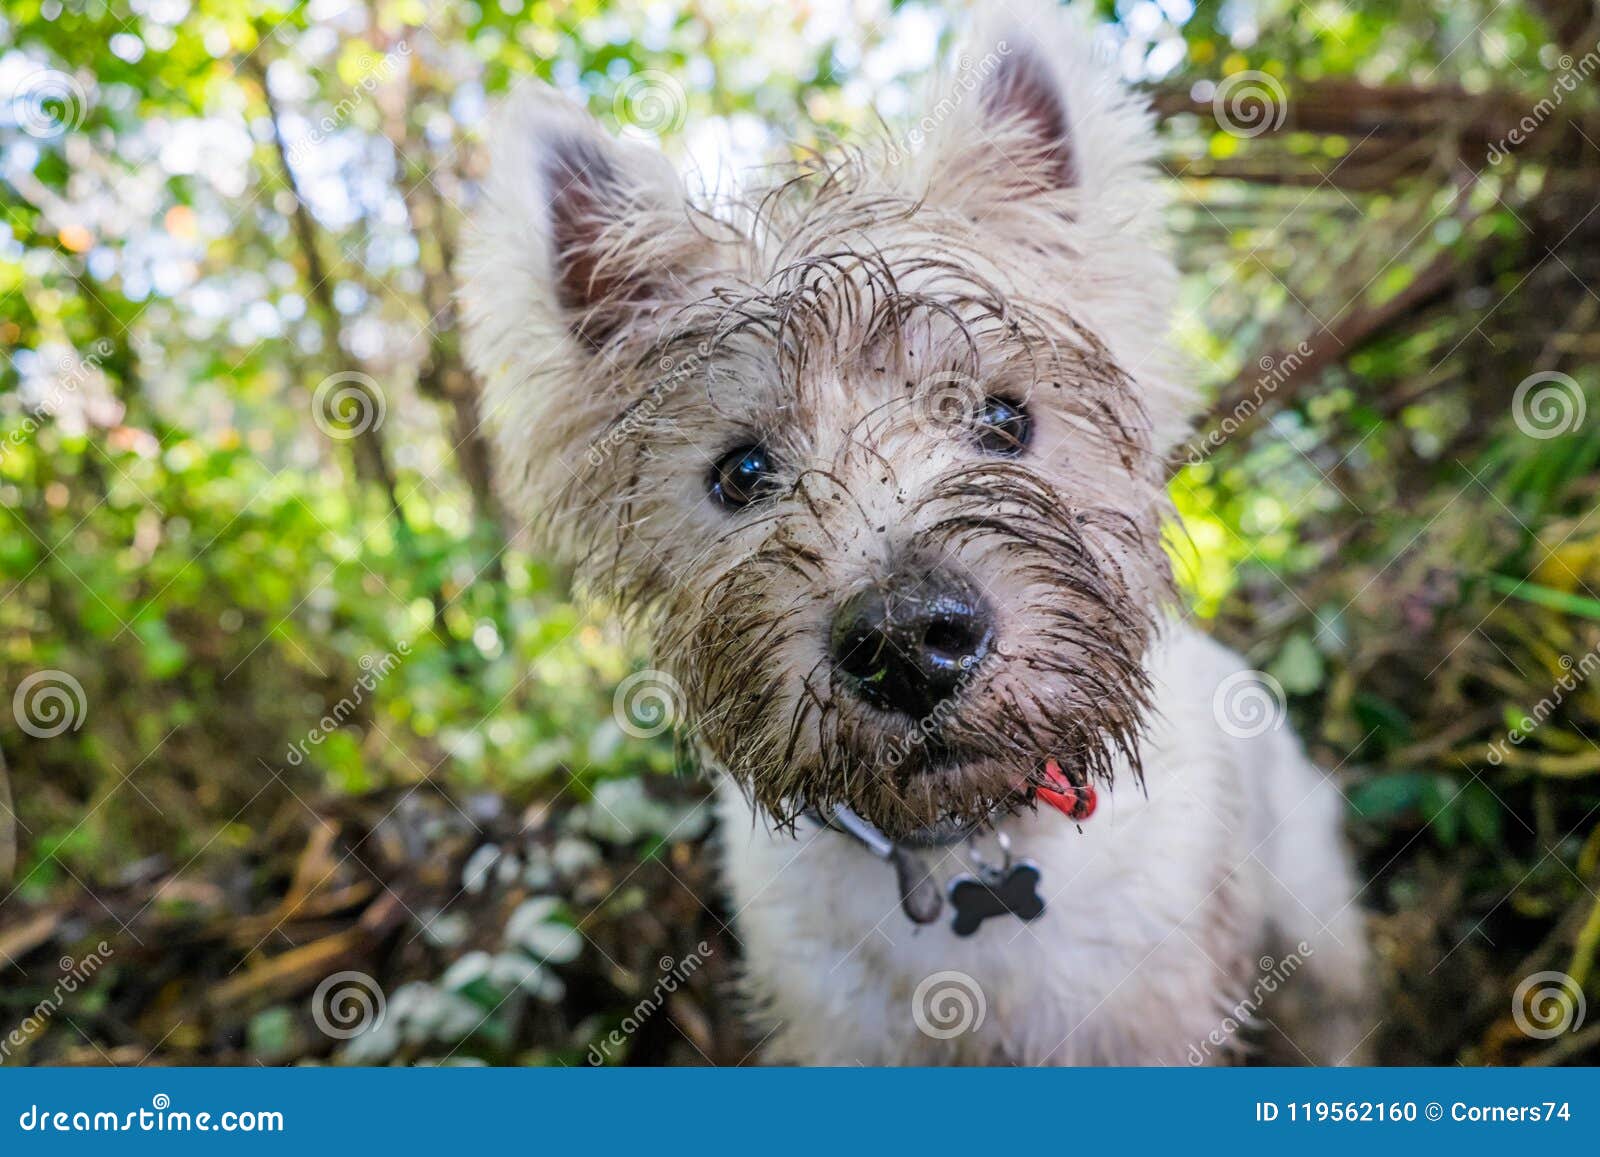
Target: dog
column 873, row 458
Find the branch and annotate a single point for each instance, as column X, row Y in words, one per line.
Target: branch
column 1390, row 114
column 443, row 373
column 368, row 444
column 372, row 459
column 1242, row 405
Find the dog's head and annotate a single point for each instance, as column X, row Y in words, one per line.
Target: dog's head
column 876, row 462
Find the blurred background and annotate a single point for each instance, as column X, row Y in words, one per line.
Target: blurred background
column 296, row 731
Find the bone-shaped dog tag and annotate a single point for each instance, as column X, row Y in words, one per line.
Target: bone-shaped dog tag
column 995, row 892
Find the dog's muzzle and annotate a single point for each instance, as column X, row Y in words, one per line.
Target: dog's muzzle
column 909, row 644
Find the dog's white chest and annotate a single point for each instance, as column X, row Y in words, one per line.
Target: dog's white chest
column 846, row 977
column 1157, row 911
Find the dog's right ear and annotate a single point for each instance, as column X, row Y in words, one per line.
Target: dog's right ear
column 579, row 233
column 1036, row 122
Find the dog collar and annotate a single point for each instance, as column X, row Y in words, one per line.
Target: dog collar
column 1011, row 887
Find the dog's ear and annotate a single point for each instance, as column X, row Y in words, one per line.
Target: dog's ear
column 581, row 253
column 1021, row 104
column 590, row 234
column 1034, row 114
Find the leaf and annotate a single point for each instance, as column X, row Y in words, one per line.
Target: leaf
column 1299, row 665
column 271, row 1032
column 1441, row 806
column 532, row 929
column 472, row 967
column 512, row 970
column 1543, row 596
column 1390, row 796
column 1481, row 813
column 1381, row 716
column 164, row 656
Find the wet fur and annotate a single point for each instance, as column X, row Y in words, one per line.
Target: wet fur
column 840, row 317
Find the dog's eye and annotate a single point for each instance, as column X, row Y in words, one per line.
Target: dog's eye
column 1003, row 427
column 742, row 476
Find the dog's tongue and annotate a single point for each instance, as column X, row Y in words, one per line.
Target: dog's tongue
column 1075, row 801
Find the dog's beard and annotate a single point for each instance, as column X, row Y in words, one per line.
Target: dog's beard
column 1069, row 685
column 984, row 758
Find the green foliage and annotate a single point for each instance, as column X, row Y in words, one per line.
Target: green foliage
column 274, row 622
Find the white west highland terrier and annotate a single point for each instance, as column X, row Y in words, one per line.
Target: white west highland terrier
column 875, row 462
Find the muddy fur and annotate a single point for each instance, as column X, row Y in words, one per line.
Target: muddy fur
column 849, row 317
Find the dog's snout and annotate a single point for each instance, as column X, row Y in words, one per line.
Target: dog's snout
column 909, row 645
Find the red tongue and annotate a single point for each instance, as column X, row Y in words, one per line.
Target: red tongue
column 1068, row 798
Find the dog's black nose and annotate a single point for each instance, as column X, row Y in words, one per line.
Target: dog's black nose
column 908, row 645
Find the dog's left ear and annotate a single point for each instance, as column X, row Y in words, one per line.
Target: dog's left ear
column 580, row 237
column 583, row 251
column 1034, row 114
column 1022, row 106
